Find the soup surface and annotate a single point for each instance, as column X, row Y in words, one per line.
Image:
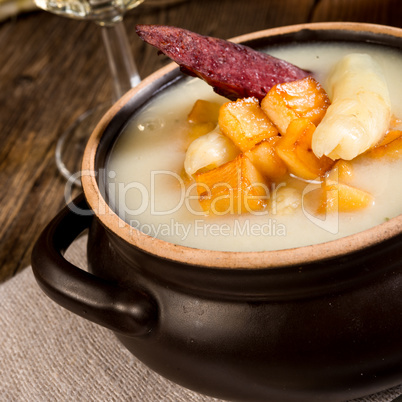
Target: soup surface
column 147, row 188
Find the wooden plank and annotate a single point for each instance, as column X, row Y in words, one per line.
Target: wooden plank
column 52, row 69
column 387, row 12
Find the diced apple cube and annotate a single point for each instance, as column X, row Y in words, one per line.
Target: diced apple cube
column 265, row 158
column 245, row 123
column 294, row 148
column 288, row 101
column 233, row 188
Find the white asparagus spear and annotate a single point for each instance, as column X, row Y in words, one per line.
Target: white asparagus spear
column 209, row 151
column 360, row 112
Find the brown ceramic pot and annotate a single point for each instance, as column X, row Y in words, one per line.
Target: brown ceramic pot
column 316, row 323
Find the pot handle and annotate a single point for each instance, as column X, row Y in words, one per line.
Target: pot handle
column 96, row 299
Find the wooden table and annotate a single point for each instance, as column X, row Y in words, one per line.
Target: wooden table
column 52, row 69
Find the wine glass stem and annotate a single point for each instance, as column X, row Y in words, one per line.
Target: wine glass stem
column 123, row 69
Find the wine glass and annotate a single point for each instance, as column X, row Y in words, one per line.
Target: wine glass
column 108, row 14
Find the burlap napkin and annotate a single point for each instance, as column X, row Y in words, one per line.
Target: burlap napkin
column 50, row 354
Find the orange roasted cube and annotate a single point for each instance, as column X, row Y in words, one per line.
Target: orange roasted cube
column 198, row 130
column 233, row 188
column 245, row 123
column 294, row 148
column 390, row 146
column 340, row 197
column 341, row 171
column 204, row 111
column 202, row 118
column 265, row 158
column 395, row 122
column 291, row 100
column 390, row 136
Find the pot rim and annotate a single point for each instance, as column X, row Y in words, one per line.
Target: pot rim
column 230, row 259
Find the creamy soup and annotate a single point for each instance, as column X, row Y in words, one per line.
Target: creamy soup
column 147, row 188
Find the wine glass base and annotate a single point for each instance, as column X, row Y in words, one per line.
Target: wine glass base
column 70, row 146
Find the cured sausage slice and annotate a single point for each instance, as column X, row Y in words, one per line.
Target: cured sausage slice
column 233, row 70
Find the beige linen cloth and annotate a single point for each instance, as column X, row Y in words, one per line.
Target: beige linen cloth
column 50, row 354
